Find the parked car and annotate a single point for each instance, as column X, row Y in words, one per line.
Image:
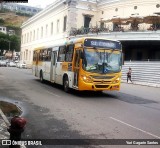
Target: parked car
column 21, row 65
column 3, row 63
column 11, row 64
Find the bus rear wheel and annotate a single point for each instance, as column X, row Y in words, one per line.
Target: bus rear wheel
column 66, row 84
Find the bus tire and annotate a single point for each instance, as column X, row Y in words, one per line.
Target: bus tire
column 41, row 77
column 66, row 84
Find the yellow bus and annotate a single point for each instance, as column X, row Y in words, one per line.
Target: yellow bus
column 86, row 63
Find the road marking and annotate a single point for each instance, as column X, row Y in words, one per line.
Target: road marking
column 53, row 94
column 155, row 136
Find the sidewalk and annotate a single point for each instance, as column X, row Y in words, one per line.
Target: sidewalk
column 3, row 126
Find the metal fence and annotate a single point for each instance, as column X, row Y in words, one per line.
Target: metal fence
column 143, row 72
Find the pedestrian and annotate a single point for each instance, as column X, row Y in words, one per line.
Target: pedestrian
column 129, row 74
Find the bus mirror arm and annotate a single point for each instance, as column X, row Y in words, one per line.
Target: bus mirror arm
column 82, row 55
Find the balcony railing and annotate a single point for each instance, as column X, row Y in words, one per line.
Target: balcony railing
column 109, row 29
column 83, row 31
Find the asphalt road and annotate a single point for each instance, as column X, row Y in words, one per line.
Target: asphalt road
column 132, row 113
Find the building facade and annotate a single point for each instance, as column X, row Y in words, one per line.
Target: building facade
column 63, row 18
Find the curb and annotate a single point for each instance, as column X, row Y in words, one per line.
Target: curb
column 4, row 118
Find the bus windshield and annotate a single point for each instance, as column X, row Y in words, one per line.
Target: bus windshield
column 102, row 60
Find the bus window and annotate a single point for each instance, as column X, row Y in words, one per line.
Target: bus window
column 44, row 53
column 61, row 55
column 48, row 56
column 69, row 53
column 41, row 55
column 34, row 56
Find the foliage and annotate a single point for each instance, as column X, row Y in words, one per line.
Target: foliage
column 15, row 28
column 24, row 14
column 1, row 21
column 6, row 40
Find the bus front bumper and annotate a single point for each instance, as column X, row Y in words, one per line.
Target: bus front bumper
column 98, row 86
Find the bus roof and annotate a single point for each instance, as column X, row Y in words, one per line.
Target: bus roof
column 73, row 41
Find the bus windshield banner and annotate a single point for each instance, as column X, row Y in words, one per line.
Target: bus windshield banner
column 98, row 43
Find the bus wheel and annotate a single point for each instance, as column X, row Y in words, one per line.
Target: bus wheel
column 66, row 84
column 41, row 77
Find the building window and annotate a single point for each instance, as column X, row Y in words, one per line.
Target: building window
column 102, row 12
column 23, row 8
column 116, row 9
column 27, row 37
column 37, row 33
column 65, row 23
column 102, row 25
column 26, row 54
column 22, row 39
column 34, row 10
column 34, row 35
column 46, row 30
column 158, row 5
column 52, row 28
column 87, row 20
column 57, row 26
column 41, row 32
column 135, row 7
column 29, row 55
column 30, row 36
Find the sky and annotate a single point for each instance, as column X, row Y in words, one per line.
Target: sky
column 39, row 3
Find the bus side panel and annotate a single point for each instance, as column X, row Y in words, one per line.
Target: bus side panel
column 41, row 68
column 47, row 68
column 59, row 73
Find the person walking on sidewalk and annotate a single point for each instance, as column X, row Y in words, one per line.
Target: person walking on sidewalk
column 129, row 75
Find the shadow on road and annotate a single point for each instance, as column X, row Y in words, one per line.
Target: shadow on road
column 102, row 95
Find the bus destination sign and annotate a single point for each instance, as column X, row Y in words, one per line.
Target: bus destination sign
column 102, row 43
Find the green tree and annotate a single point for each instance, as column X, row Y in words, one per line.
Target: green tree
column 9, row 42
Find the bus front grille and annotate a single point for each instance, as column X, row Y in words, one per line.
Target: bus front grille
column 101, row 86
column 102, row 77
column 101, row 81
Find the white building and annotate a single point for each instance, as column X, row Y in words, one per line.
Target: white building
column 59, row 20
column 3, row 29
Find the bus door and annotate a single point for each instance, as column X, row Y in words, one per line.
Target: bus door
column 76, row 66
column 53, row 66
column 60, row 59
column 36, row 64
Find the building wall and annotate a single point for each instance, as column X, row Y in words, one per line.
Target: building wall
column 126, row 8
column 37, row 32
column 75, row 12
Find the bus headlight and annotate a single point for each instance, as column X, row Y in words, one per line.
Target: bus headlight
column 86, row 79
column 117, row 80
